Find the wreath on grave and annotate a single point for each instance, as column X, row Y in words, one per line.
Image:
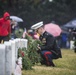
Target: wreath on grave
column 19, row 32
column 26, row 63
column 30, row 57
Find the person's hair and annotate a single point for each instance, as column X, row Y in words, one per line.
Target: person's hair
column 11, row 19
column 42, row 26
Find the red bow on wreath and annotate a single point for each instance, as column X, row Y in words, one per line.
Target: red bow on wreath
column 22, row 53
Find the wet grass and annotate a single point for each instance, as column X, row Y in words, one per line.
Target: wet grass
column 64, row 66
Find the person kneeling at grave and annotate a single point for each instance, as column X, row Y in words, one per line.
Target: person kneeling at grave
column 49, row 50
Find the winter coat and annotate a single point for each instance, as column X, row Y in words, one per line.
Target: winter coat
column 50, row 44
column 5, row 27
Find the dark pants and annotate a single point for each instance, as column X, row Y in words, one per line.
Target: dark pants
column 47, row 58
column 75, row 45
column 4, row 38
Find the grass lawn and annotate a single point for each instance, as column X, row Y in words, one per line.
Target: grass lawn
column 64, row 66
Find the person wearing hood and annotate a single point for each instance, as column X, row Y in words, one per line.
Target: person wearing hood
column 5, row 27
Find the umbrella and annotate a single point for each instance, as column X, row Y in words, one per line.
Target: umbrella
column 54, row 29
column 64, row 29
column 17, row 19
column 71, row 24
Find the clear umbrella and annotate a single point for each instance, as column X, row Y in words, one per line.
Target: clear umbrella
column 17, row 19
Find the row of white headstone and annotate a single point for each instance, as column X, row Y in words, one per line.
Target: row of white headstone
column 71, row 44
column 8, row 55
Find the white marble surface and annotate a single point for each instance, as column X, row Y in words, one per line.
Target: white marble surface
column 8, row 58
column 71, row 44
column 9, row 53
column 13, row 46
column 2, row 59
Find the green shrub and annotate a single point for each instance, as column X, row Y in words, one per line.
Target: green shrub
column 29, row 56
column 26, row 62
column 19, row 33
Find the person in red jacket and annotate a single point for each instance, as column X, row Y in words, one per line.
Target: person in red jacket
column 5, row 27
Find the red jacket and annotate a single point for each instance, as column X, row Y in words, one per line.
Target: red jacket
column 5, row 27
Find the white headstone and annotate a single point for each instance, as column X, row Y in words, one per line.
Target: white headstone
column 13, row 55
column 71, row 44
column 8, row 58
column 24, row 43
column 17, row 43
column 2, row 59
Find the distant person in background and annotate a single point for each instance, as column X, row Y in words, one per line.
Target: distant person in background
column 64, row 40
column 13, row 28
column 5, row 27
column 74, row 33
column 30, row 32
column 33, row 34
column 58, row 38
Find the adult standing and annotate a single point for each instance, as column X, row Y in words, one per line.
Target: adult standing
column 14, row 26
column 49, row 50
column 74, row 34
column 64, row 40
column 5, row 27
